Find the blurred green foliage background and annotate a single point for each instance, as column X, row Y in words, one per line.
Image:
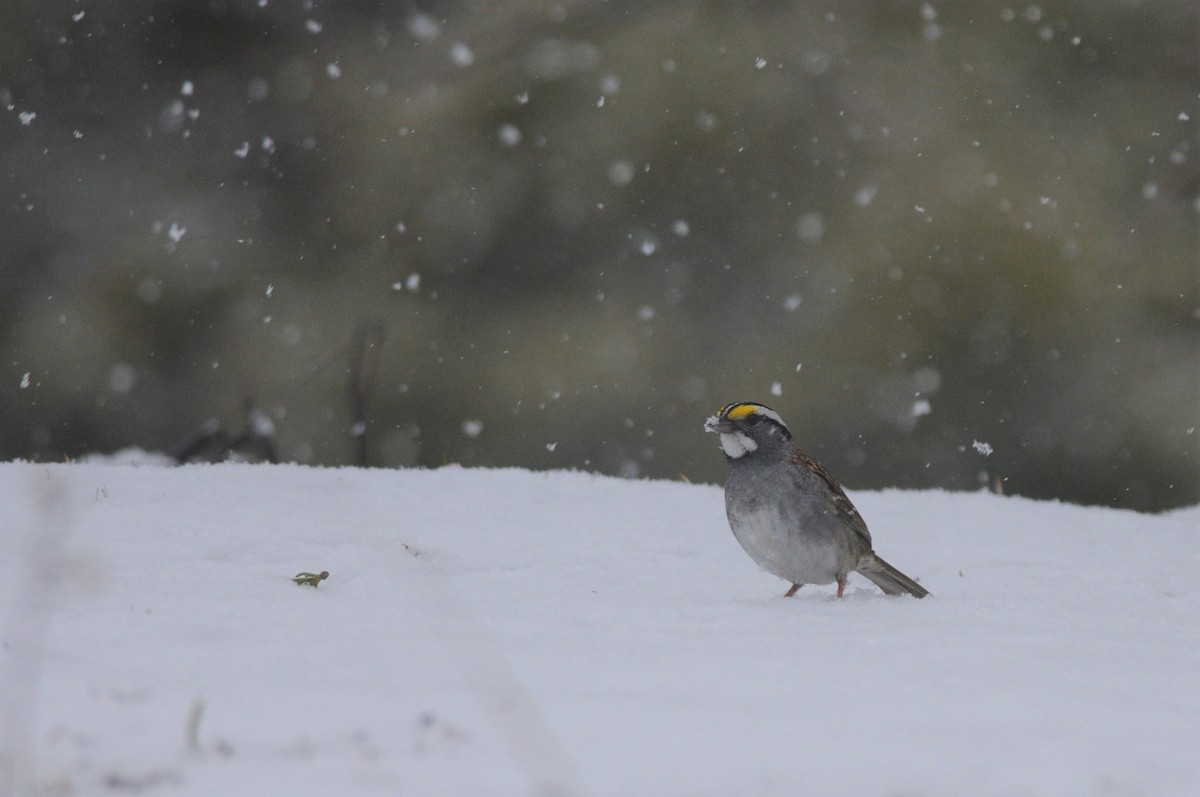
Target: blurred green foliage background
column 921, row 231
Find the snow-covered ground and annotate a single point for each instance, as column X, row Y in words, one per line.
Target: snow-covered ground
column 501, row 632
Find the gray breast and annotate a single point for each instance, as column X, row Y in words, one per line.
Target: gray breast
column 787, row 537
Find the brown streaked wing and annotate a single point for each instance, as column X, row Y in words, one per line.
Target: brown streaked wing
column 843, row 507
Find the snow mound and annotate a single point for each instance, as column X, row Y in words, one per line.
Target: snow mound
column 501, row 632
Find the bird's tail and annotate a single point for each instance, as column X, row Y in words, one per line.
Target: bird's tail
column 891, row 580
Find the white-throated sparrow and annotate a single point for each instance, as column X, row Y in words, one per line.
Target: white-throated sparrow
column 788, row 512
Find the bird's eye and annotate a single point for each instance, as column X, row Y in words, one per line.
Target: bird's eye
column 754, row 420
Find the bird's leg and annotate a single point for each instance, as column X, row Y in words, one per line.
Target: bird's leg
column 792, row 591
column 841, row 580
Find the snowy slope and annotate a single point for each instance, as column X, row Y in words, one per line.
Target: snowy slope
column 516, row 633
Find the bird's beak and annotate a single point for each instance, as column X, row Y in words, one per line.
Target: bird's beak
column 718, row 425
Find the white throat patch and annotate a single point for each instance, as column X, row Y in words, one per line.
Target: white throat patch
column 736, row 444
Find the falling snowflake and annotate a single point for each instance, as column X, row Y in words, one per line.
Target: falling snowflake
column 510, row 135
column 461, row 55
